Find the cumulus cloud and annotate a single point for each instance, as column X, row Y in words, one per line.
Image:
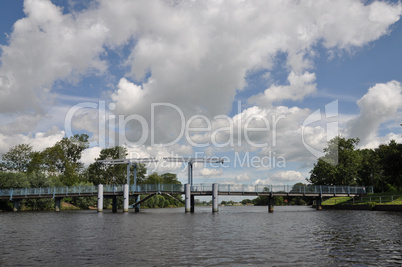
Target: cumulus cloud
column 243, row 177
column 210, row 172
column 380, row 104
column 46, row 46
column 39, row 141
column 299, row 87
column 282, row 177
column 195, row 56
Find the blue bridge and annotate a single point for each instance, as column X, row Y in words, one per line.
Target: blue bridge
column 189, row 191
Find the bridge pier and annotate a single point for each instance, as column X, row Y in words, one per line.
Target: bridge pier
column 187, row 196
column 114, row 204
column 319, row 203
column 192, row 202
column 125, row 198
column 16, row 204
column 137, row 207
column 271, row 204
column 57, row 204
column 100, row 197
column 214, row 197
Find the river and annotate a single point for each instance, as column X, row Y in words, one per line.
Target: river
column 236, row 236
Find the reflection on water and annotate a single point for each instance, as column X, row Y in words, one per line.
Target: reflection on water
column 234, row 236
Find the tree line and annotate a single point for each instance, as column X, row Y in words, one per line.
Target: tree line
column 60, row 165
column 344, row 164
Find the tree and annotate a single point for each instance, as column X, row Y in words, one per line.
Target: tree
column 170, row 178
column 246, row 201
column 369, row 171
column 13, row 180
column 99, row 173
column 390, row 158
column 154, row 178
column 62, row 159
column 18, row 158
column 339, row 165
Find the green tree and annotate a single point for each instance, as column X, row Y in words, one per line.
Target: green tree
column 17, row 158
column 170, row 178
column 390, row 158
column 339, row 165
column 154, row 178
column 369, row 171
column 99, row 173
column 13, row 180
column 246, row 201
column 62, row 159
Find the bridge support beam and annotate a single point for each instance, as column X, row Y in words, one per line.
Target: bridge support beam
column 57, row 204
column 319, row 203
column 100, row 197
column 271, row 204
column 114, row 204
column 125, row 198
column 214, row 197
column 137, row 207
column 187, row 196
column 16, row 204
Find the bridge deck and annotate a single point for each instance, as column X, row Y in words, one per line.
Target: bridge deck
column 197, row 190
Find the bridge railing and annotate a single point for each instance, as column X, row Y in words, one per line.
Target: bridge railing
column 65, row 190
column 235, row 188
column 157, row 188
column 307, row 189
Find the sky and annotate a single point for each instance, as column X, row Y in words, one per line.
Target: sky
column 263, row 85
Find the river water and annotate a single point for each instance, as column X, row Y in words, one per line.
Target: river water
column 236, row 236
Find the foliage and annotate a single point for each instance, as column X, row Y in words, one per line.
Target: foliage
column 298, row 201
column 161, row 201
column 391, row 161
column 339, row 165
column 17, row 158
column 264, row 200
column 63, row 158
column 381, row 167
column 99, row 173
column 13, row 180
column 246, row 201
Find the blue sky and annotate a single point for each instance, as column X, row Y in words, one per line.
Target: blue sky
column 182, row 71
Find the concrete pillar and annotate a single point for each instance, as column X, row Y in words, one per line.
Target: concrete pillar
column 114, row 204
column 319, row 201
column 57, row 204
column 192, row 202
column 100, row 197
column 137, row 207
column 16, row 205
column 271, row 204
column 125, row 198
column 187, row 196
column 214, row 197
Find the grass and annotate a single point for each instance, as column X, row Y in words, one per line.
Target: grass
column 377, row 198
column 336, row 200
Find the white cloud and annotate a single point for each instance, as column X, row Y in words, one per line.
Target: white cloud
column 299, row 87
column 45, row 46
column 194, row 55
column 243, row 177
column 210, row 172
column 89, row 155
column 282, row 177
column 39, row 141
column 380, row 104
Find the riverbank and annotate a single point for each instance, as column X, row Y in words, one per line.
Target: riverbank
column 363, row 207
column 391, row 201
